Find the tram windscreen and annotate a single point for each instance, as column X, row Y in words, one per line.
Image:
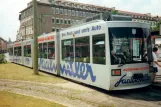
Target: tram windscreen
column 129, row 45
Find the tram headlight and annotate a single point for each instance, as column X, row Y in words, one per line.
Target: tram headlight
column 116, row 72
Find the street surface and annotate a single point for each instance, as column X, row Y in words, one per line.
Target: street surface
column 75, row 95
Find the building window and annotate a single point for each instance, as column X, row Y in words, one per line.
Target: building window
column 69, row 22
column 73, row 12
column 57, row 10
column 61, row 11
column 57, row 21
column 78, row 6
column 75, row 6
column 72, row 5
column 53, row 10
column 80, row 13
column 65, row 11
column 53, row 29
column 61, row 21
column 57, row 30
column 65, row 21
column 77, row 13
column 69, row 12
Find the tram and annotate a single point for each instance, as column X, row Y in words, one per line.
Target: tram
column 104, row 54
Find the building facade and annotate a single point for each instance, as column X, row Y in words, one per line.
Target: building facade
column 61, row 14
column 3, row 45
column 145, row 18
column 54, row 16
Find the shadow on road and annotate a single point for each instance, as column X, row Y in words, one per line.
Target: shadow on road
column 145, row 94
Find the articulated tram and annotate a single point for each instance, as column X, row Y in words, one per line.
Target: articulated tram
column 104, row 54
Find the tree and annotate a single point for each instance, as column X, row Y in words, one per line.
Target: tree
column 114, row 12
column 157, row 26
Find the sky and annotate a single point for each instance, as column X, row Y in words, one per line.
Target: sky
column 9, row 11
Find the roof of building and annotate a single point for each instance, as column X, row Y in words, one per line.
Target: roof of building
column 132, row 13
column 146, row 16
column 2, row 39
column 39, row 1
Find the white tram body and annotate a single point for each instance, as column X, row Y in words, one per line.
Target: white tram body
column 27, row 53
column 18, row 53
column 47, row 54
column 104, row 54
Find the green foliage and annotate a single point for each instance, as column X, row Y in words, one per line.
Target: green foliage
column 2, row 59
column 86, row 60
column 157, row 27
column 115, row 12
column 99, row 60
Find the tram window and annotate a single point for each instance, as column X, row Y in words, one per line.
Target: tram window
column 40, row 50
column 10, row 51
column 17, row 51
column 27, row 51
column 82, row 50
column 51, row 50
column 45, row 53
column 99, row 49
column 67, row 50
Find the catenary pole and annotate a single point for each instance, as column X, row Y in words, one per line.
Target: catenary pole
column 35, row 59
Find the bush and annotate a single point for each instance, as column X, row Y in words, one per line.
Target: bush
column 2, row 59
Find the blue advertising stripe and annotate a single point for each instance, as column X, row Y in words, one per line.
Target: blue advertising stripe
column 81, row 70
